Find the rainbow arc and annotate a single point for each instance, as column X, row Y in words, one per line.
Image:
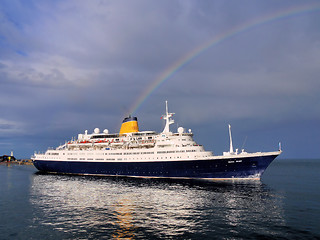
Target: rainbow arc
column 241, row 28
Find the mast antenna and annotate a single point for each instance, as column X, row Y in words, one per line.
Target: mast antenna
column 168, row 119
column 231, row 146
column 244, row 142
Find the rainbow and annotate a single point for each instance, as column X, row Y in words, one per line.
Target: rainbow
column 184, row 60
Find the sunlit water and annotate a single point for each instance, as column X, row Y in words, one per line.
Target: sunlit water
column 284, row 204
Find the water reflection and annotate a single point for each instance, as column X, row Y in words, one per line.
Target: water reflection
column 92, row 207
column 124, row 211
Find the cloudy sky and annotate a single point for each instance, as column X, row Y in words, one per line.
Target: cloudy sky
column 73, row 65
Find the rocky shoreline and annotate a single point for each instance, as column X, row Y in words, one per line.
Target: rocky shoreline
column 18, row 162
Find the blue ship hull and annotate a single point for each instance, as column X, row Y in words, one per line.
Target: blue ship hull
column 246, row 167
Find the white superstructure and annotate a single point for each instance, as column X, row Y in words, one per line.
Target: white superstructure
column 132, row 146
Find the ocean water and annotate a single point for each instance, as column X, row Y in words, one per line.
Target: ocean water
column 285, row 204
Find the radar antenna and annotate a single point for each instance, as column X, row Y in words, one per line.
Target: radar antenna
column 168, row 120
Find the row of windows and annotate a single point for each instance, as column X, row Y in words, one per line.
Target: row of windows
column 161, row 152
column 73, row 153
column 126, row 153
column 137, row 153
column 105, row 136
column 117, row 139
column 131, row 153
column 120, row 159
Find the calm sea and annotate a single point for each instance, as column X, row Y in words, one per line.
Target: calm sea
column 285, row 204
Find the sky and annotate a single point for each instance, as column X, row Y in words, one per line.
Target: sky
column 67, row 66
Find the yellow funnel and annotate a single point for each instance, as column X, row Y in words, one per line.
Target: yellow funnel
column 129, row 125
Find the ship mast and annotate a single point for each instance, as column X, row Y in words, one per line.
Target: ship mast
column 231, row 146
column 168, row 120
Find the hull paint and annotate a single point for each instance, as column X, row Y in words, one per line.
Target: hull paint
column 211, row 169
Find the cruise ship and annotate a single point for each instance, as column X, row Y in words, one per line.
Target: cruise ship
column 149, row 154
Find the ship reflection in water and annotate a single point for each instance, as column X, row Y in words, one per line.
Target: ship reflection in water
column 117, row 208
column 124, row 211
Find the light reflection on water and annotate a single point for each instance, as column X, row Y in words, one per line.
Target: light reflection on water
column 92, row 207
